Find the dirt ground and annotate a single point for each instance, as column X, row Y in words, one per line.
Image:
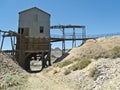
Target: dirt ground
column 43, row 81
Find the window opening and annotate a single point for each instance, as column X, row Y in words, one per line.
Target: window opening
column 41, row 29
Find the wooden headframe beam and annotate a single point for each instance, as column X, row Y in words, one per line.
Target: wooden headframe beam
column 66, row 26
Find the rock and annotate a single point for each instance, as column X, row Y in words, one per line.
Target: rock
column 107, row 76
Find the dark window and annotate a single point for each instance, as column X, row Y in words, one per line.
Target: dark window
column 21, row 30
column 41, row 29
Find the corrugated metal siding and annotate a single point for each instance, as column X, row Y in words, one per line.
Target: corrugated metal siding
column 33, row 19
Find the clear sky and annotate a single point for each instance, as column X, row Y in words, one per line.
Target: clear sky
column 99, row 16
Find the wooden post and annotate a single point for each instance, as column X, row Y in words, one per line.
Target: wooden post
column 49, row 55
column 12, row 44
column 63, row 42
column 83, row 34
column 74, row 41
column 2, row 41
column 43, row 60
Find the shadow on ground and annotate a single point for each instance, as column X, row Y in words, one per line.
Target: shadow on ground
column 61, row 58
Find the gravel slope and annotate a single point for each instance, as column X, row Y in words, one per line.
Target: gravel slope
column 94, row 47
column 10, row 73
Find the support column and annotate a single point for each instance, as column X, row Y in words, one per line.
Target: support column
column 14, row 41
column 2, row 41
column 0, row 36
column 63, row 42
column 12, row 44
column 49, row 56
column 43, row 61
column 83, row 34
column 27, row 63
column 74, row 39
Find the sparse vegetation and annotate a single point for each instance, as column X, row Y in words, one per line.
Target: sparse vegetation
column 55, row 71
column 80, row 64
column 67, row 71
column 13, row 80
column 92, row 71
column 11, row 75
column 112, row 53
column 64, row 63
column 115, row 52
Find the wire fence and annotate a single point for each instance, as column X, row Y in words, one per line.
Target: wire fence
column 103, row 35
column 80, row 36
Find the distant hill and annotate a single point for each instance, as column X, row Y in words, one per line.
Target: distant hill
column 56, row 53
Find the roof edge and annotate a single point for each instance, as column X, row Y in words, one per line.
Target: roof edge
column 33, row 8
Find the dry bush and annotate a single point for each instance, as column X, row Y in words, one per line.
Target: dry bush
column 64, row 63
column 67, row 71
column 80, row 64
column 13, row 80
column 112, row 53
column 115, row 52
column 55, row 71
column 92, row 71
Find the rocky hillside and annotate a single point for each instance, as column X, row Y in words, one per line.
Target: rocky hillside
column 102, row 47
column 93, row 66
column 10, row 73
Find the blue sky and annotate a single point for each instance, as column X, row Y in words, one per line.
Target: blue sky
column 99, row 16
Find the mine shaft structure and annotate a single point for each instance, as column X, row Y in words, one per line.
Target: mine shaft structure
column 32, row 39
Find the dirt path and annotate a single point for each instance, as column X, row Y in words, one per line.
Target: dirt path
column 41, row 81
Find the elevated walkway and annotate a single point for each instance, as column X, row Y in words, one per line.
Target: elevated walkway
column 75, row 32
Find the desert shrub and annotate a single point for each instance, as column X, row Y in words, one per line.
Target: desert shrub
column 92, row 71
column 115, row 52
column 67, row 71
column 55, row 71
column 64, row 63
column 112, row 53
column 48, row 69
column 95, row 78
column 80, row 64
column 101, row 55
column 13, row 80
column 55, row 65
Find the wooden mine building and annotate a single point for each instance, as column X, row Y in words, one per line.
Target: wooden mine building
column 34, row 37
